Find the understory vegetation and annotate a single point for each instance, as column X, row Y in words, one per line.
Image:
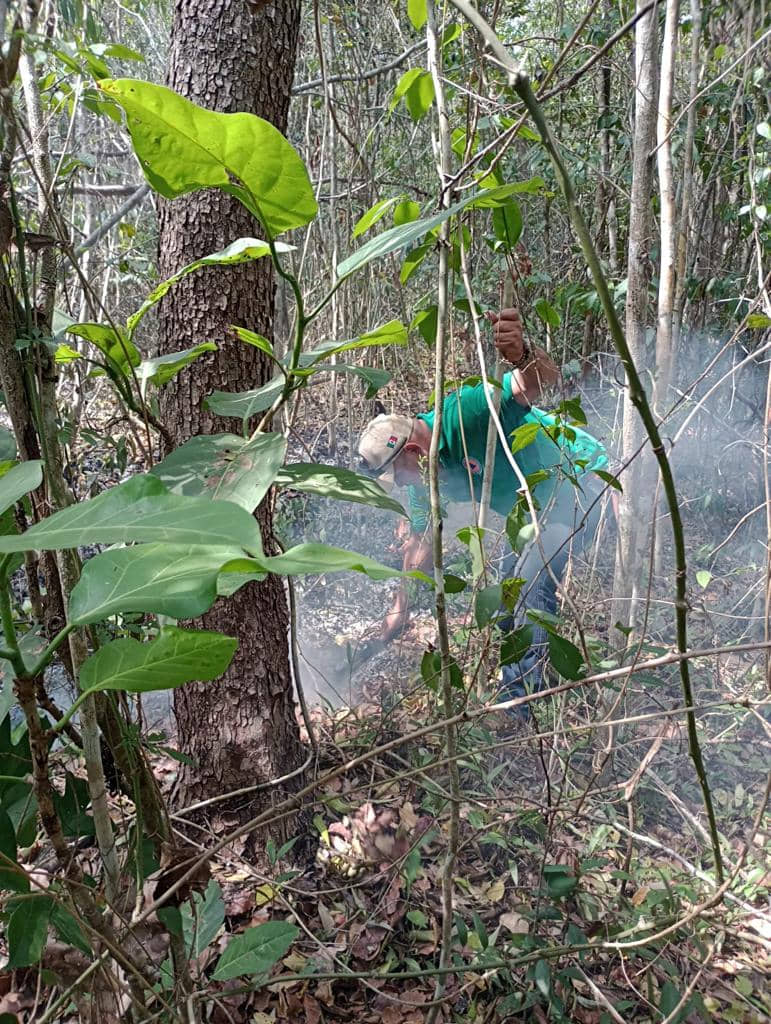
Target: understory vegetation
column 229, row 237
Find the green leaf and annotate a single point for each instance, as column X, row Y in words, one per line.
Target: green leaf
column 565, row 657
column 305, row 558
column 11, row 875
column 160, row 370
column 608, row 478
column 7, row 445
column 542, row 976
column 243, row 250
column 18, row 481
column 202, row 922
column 413, row 260
column 507, row 224
column 392, row 333
column 425, row 321
column 183, row 147
column 524, row 436
column 335, row 482
column 141, row 510
column 420, row 95
column 758, row 320
column 179, row 581
column 453, row 584
column 406, row 212
column 72, row 807
column 763, row 128
column 245, row 404
column 703, row 576
column 68, row 929
column 175, row 657
column 372, row 216
column 516, row 645
column 256, row 950
column 560, row 882
column 114, row 343
column 416, row 12
column 547, row 313
column 253, row 339
column 670, row 997
column 224, row 467
column 27, row 931
column 488, row 603
column 66, row 354
column 405, row 234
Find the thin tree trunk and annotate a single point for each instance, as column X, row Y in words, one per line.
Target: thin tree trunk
column 668, row 217
column 227, row 55
column 684, row 222
column 633, row 505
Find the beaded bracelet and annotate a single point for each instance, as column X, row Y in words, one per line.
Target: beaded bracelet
column 524, row 359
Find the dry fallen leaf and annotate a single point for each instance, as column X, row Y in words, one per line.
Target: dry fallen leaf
column 495, row 891
column 515, row 923
column 639, row 896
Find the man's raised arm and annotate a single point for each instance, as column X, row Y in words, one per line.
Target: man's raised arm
column 534, row 370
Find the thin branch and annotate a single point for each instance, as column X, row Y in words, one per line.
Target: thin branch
column 373, row 73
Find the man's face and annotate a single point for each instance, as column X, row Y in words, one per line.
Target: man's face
column 409, row 466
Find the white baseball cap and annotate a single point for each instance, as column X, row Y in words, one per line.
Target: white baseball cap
column 381, row 441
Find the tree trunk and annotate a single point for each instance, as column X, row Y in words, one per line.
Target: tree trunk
column 229, row 56
column 634, row 504
column 668, row 217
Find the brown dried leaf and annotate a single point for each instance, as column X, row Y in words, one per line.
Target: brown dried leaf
column 312, row 1009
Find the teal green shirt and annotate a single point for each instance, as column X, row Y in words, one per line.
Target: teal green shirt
column 465, row 416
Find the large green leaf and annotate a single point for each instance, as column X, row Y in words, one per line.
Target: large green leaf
column 507, row 224
column 565, row 657
column 244, row 404
column 141, row 510
column 243, row 250
column 166, row 579
column 405, row 234
column 335, row 482
column 224, row 467
column 19, row 481
column 27, row 930
column 372, row 216
column 113, row 343
column 175, row 657
column 305, row 558
column 256, row 950
column 160, row 370
column 392, row 333
column 183, row 147
column 202, row 922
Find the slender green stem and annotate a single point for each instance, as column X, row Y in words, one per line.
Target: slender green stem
column 13, row 654
column 640, row 402
column 325, row 301
column 80, row 699
column 50, row 650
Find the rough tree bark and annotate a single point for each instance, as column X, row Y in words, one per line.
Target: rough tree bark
column 634, row 505
column 229, row 55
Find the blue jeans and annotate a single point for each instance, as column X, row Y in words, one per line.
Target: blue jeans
column 559, row 538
